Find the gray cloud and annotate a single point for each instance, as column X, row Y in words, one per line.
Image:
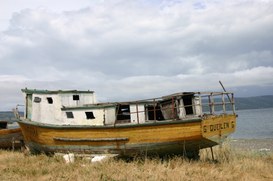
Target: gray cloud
column 136, row 49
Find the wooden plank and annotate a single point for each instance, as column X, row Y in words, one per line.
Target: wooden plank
column 90, row 139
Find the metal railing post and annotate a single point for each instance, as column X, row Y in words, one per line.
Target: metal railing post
column 154, row 111
column 137, row 113
column 232, row 103
column 210, row 109
column 212, row 104
column 173, row 108
column 224, row 103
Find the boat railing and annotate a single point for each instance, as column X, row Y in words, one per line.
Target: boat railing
column 16, row 112
column 202, row 104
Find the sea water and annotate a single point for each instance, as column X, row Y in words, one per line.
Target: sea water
column 254, row 124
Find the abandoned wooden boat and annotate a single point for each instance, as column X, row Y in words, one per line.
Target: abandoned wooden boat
column 10, row 138
column 72, row 121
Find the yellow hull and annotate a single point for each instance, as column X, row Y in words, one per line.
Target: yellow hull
column 217, row 128
column 161, row 137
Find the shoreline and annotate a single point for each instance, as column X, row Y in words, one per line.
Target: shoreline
column 265, row 144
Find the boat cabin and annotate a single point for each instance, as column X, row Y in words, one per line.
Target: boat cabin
column 45, row 106
column 74, row 107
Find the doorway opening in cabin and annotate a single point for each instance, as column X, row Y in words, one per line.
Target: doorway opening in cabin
column 29, row 106
column 187, row 100
column 123, row 113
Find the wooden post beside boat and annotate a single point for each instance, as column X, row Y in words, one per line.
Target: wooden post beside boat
column 212, row 156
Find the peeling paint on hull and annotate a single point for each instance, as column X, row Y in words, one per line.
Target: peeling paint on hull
column 161, row 138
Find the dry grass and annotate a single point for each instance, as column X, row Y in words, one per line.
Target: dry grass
column 229, row 165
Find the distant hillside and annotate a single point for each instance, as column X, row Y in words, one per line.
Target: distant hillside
column 241, row 103
column 7, row 115
column 258, row 102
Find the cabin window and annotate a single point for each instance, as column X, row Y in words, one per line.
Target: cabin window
column 37, row 99
column 123, row 112
column 154, row 113
column 49, row 100
column 89, row 115
column 76, row 97
column 187, row 100
column 69, row 115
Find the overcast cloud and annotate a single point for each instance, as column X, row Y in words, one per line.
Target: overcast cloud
column 130, row 49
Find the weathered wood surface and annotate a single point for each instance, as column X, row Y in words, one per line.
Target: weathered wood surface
column 10, row 138
column 165, row 137
column 217, row 128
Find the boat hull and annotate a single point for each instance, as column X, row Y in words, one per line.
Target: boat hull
column 11, row 138
column 160, row 138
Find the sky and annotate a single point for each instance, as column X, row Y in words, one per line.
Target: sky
column 135, row 49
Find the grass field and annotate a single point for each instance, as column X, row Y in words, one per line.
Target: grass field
column 229, row 164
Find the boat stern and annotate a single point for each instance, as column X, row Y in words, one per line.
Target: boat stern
column 218, row 128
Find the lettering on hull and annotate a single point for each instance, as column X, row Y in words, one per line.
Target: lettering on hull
column 218, row 126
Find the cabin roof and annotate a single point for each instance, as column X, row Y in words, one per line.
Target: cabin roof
column 37, row 91
column 104, row 105
column 179, row 94
column 89, row 106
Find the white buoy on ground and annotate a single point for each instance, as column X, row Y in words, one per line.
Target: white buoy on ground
column 98, row 158
column 69, row 158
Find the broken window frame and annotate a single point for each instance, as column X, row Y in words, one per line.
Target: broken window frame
column 90, row 115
